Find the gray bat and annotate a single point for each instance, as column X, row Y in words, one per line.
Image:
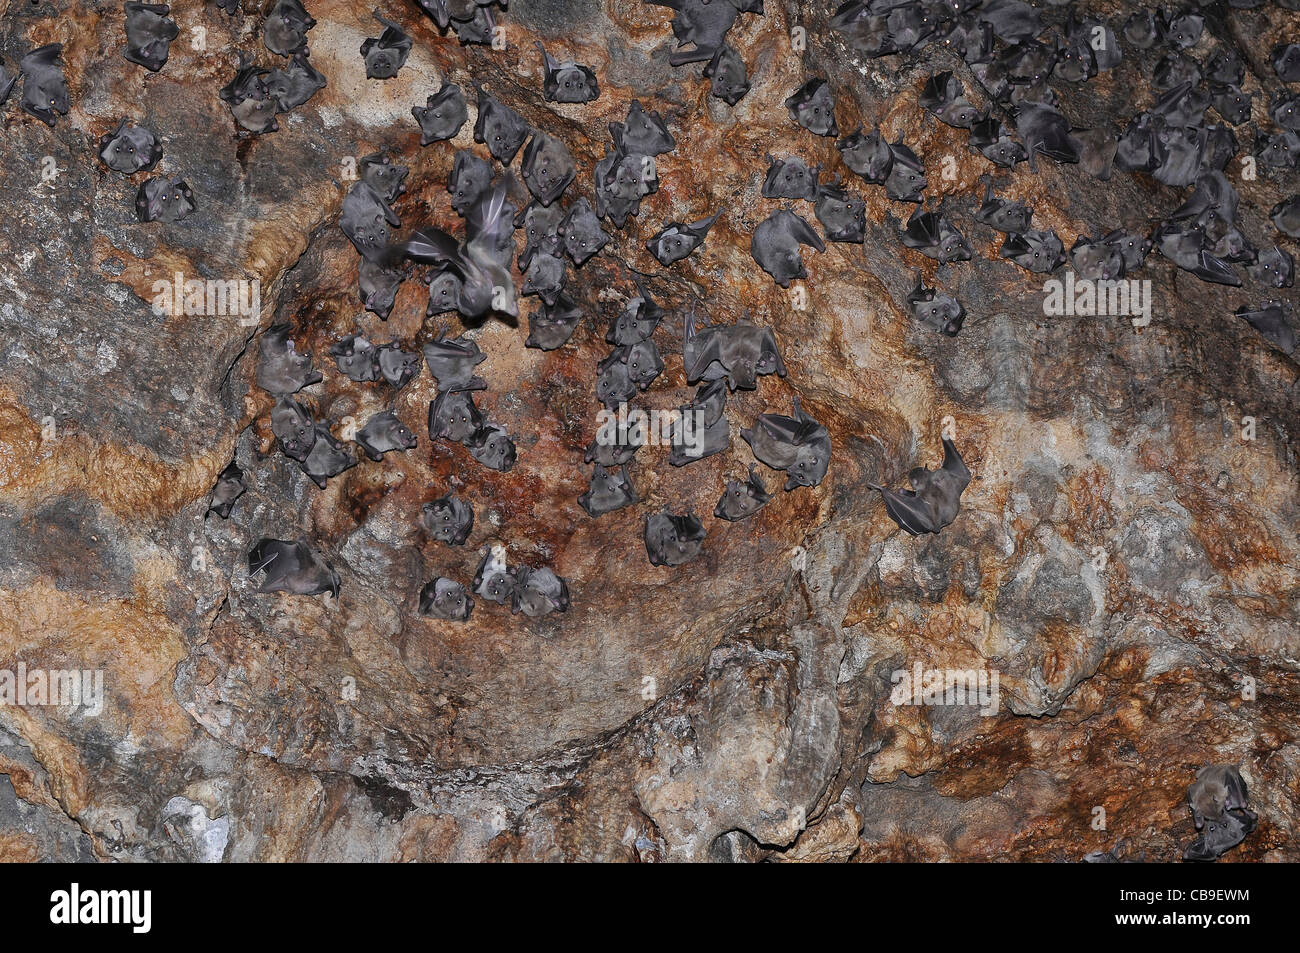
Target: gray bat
column 1218, row 788
column 470, row 179
column 491, row 446
column 944, row 96
column 285, row 30
column 799, row 445
column 1096, row 148
column 1028, row 63
column 610, row 454
column 813, row 107
column 45, row 91
column 1184, row 243
column 249, row 97
column 479, row 28
column 1183, row 105
column 1140, row 30
column 498, row 126
column 355, row 357
column 445, row 599
column 1285, row 111
column 1285, row 216
column 1076, row 61
column 988, row 138
column 129, row 149
column 1005, row 215
column 1043, row 129
column 328, row 457
column 1274, row 267
column 1174, row 68
column 539, row 592
column 448, row 519
column 381, row 173
column 728, row 78
column 385, row 54
column 868, row 155
column 365, row 219
column 294, row 567
column 493, row 581
column 442, row 116
column 906, row 179
column 567, row 82
column 1182, row 29
column 230, row 487
column 294, row 428
column 453, row 416
column 842, row 215
column 437, row 11
column 541, row 227
column 1278, row 151
column 7, row 80
column 1036, row 250
column 935, row 237
column 149, row 33
column 1286, row 61
column 1271, row 321
column 738, row 353
column 384, row 432
column 1221, row 836
column 614, row 384
column 775, row 245
column 397, row 366
column 713, row 438
column 164, row 199
column 552, row 325
column 1011, row 20
column 583, row 236
column 676, row 240
column 608, row 490
column 452, row 362
column 1096, row 260
column 935, row 497
column 940, row 312
column 547, row 167
column 545, row 278
column 1225, row 68
column 637, row 321
column 642, row 133
column 378, row 285
column 280, row 368
column 621, row 182
column 790, row 178
column 700, row 24
column 672, row 540
column 294, row 86
column 865, row 30
column 1139, row 149
column 742, row 499
column 1132, row 246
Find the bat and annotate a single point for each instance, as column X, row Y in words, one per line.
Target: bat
column 547, row 167
column 149, row 33
column 1278, row 151
column 452, row 362
column 7, row 80
column 642, row 133
column 1221, row 836
column 1184, row 243
column 906, row 179
column 728, row 78
column 448, row 519
column 1043, row 129
column 545, row 277
column 1035, row 250
column 365, row 219
column 989, row 139
column 493, row 581
column 498, row 126
column 1173, row 69
column 1132, row 247
column 608, row 490
column 700, row 24
column 479, row 28
column 453, row 416
column 328, row 457
column 775, row 245
column 1212, row 198
column 567, row 82
column 437, row 12
column 1286, row 62
column 1004, row 215
column 798, row 445
column 285, row 30
column 868, row 155
column 164, row 199
column 742, row 499
column 539, row 592
column 491, row 446
column 935, row 497
column 444, row 599
column 294, row 567
column 1139, row 149
column 1097, row 260
column 637, row 321
column 1183, row 105
column 249, row 97
column 1140, row 30
column 676, row 240
column 230, row 487
column 384, row 432
column 581, row 231
column 790, row 178
column 614, row 384
column 541, row 227
column 1011, row 20
column 1182, row 29
column 281, row 369
column 294, row 428
column 940, row 312
column 1220, row 146
column 1096, row 149
column 708, row 438
column 381, row 173
column 385, row 54
column 1285, row 216
column 1285, row 111
column 1225, row 68
column 552, row 325
column 292, row 87
column 643, row 362
column 1102, row 41
column 397, row 366
column 45, row 91
column 1275, row 267
column 470, row 178
column 1217, row 788
column 944, row 96
column 1076, row 62
column 442, row 116
column 865, row 30
column 1271, row 321
column 935, row 237
column 128, row 149
column 843, row 215
column 672, row 540
column 355, row 357
column 813, row 107
column 378, row 286
column 1028, row 63
column 621, row 182
column 737, row 353
column 910, row 24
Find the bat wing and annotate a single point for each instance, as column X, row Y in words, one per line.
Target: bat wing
column 433, row 246
column 953, row 463
column 1212, row 268
column 706, row 353
column 908, row 510
column 804, row 233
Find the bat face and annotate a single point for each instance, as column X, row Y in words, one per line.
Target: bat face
column 868, row 155
column 609, row 490
column 1225, row 68
column 292, row 87
column 382, row 174
column 789, row 178
column 477, row 29
column 1004, row 215
column 545, row 277
column 548, row 168
column 1036, row 251
column 469, row 181
column 447, row 600
column 775, row 245
column 453, row 416
column 491, row 446
column 939, row 312
column 230, row 487
column 742, row 498
column 293, row 567
column 355, row 357
column 583, row 236
column 129, row 149
column 1221, row 836
column 1279, row 151
column 540, row 592
column 386, row 54
column 813, row 107
column 567, row 82
column 551, row 326
column 644, row 133
column 906, row 179
column 1182, row 30
column 365, row 219
column 149, row 33
column 45, row 92
column 280, row 368
column 728, row 78
column 1286, row 62
column 448, row 519
column 294, row 428
column 164, row 200
column 1140, row 30
column 842, row 214
column 397, row 366
column 442, row 116
column 328, row 457
column 1096, row 260
column 614, row 384
column 1285, row 216
column 677, row 240
column 1132, row 247
column 501, row 128
column 378, row 286
column 384, row 432
column 452, row 363
column 1274, row 267
column 673, row 540
column 493, row 580
column 285, row 30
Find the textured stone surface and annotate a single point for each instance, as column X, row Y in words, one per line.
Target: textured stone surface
column 736, row 708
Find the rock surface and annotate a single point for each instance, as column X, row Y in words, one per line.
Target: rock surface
column 1125, row 559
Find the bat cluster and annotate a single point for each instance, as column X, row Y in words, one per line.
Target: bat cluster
column 473, row 20
column 1218, row 802
column 701, row 27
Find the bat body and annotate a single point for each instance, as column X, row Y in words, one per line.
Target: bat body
column 381, row 173
column 367, row 220
column 541, row 225
column 727, row 75
column 45, row 91
column 1037, row 251
column 1279, row 151
column 868, row 155
column 1274, row 267
column 547, row 167
column 775, row 245
column 444, row 292
column 1285, row 111
column 491, row 446
column 281, row 369
column 1272, row 322
column 164, row 199
column 470, row 179
column 149, row 33
column 672, row 540
column 397, row 366
column 249, row 97
column 989, row 139
column 737, row 353
column 539, row 592
column 493, row 581
column 1043, row 129
column 385, row 54
column 614, row 384
column 378, row 285
column 789, row 178
column 294, row 86
column 448, row 519
column 567, row 82
column 1285, row 216
column 285, row 30
column 944, row 96
column 294, row 428
column 843, row 215
column 452, row 363
column 636, row 322
column 1286, row 62
column 581, row 231
column 741, row 499
column 798, row 445
column 453, row 416
column 1221, row 836
column 294, row 567
column 934, row 236
column 545, row 277
column 442, row 116
column 382, row 433
column 642, row 133
column 355, row 356
column 813, row 107
column 129, row 149
column 230, row 487
column 935, row 497
column 906, row 179
column 1132, row 247
column 552, row 325
column 1097, row 260
column 1007, row 216
column 1185, row 244
column 1219, row 805
column 446, row 599
column 609, row 490
column 940, row 312
column 676, row 240
column 327, row 458
column 1096, row 148
column 499, row 127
